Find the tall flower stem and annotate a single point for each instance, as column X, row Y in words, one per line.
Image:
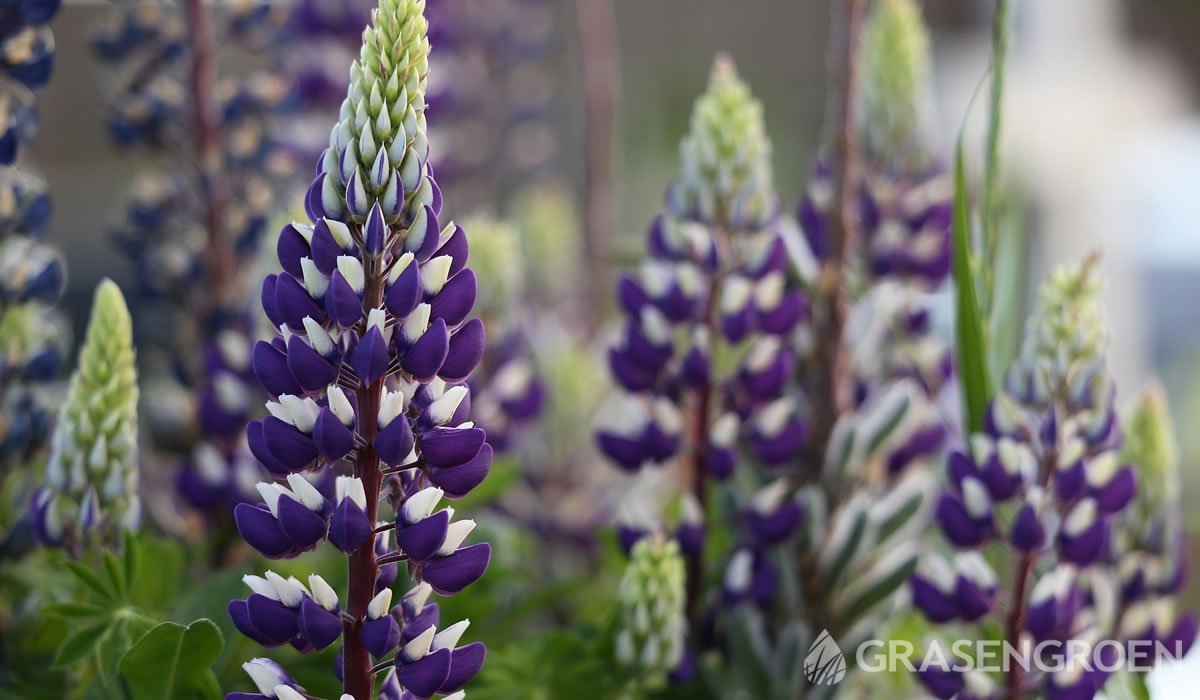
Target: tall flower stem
column 1000, row 32
column 599, row 64
column 206, row 120
column 830, row 383
column 358, row 676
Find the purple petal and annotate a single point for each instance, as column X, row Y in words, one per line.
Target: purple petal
column 394, row 443
column 271, row 367
column 302, row 526
column 275, row 620
column 290, row 248
column 1028, row 532
column 465, row 662
column 270, row 308
column 349, row 529
column 421, row 540
column 294, row 303
column 332, row 438
column 261, row 531
column 458, row 248
column 375, row 231
column 424, row 359
column 380, row 636
column 310, row 369
column 626, row 452
column 318, row 625
column 465, row 351
column 292, row 448
column 459, row 480
column 342, row 302
column 1118, row 492
column 422, row 678
column 449, row 447
column 258, row 447
column 450, row 574
column 325, row 249
column 370, row 357
column 403, row 295
column 241, row 620
column 937, row 606
column 456, row 299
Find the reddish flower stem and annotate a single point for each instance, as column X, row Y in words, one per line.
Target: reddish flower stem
column 356, row 669
column 599, row 64
column 830, row 385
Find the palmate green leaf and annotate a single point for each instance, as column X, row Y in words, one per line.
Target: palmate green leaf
column 116, row 576
column 970, row 349
column 90, row 579
column 172, row 661
column 74, row 610
column 80, row 643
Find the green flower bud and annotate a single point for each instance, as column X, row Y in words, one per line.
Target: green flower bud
column 724, row 174
column 1063, row 353
column 91, row 476
column 895, row 60
column 652, row 600
column 379, row 148
column 1150, row 446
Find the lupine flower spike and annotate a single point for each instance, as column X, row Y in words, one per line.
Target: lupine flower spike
column 32, row 274
column 652, row 597
column 1046, row 491
column 366, row 375
column 91, row 476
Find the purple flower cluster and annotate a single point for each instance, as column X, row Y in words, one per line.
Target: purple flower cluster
column 32, row 274
column 1043, row 489
column 366, row 377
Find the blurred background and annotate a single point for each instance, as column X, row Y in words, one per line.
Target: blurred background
column 1102, row 145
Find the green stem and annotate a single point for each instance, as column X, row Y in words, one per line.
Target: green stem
column 1000, row 35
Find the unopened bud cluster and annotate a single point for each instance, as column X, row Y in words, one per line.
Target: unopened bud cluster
column 650, row 640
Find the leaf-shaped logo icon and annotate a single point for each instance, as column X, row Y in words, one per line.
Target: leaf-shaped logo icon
column 825, row 663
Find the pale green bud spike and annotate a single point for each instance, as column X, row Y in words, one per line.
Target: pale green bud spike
column 725, row 174
column 386, row 92
column 1068, row 316
column 97, row 424
column 652, row 600
column 895, row 59
column 1150, row 446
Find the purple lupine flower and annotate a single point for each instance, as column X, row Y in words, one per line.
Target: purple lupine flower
column 187, row 257
column 367, row 370
column 33, row 273
column 1046, row 489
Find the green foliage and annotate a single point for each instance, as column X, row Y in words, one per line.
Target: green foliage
column 895, row 48
column 172, row 661
column 970, row 331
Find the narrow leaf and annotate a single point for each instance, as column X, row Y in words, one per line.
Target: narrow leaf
column 90, row 579
column 116, row 575
column 80, row 644
column 73, row 610
column 969, row 328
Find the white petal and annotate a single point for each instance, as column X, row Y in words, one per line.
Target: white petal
column 421, row 504
column 448, row 638
column 455, row 535
column 323, row 593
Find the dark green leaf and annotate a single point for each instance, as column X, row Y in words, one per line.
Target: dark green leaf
column 90, row 579
column 81, row 643
column 849, row 545
column 116, row 575
column 130, row 557
column 73, row 610
column 110, row 650
column 862, row 601
column 969, row 322
column 172, row 661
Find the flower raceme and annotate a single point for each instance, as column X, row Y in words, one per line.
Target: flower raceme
column 366, row 377
column 91, row 476
column 1046, row 485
